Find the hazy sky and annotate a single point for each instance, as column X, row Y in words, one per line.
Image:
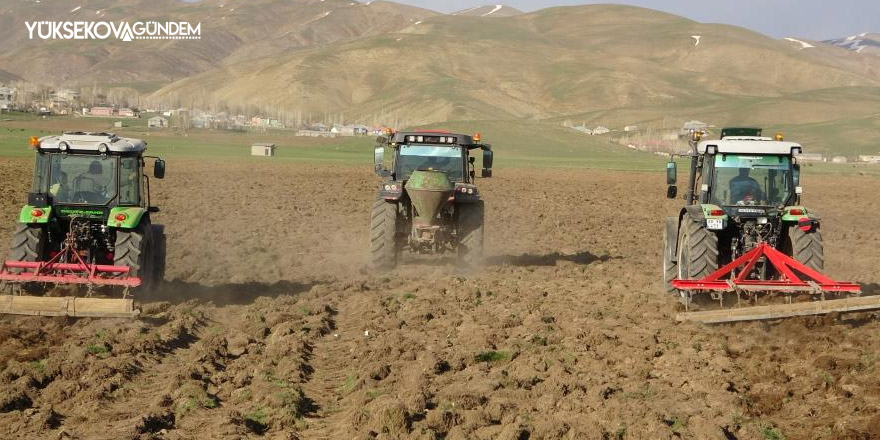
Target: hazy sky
column 811, row 19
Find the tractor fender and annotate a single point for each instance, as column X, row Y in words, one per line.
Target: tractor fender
column 126, row 217
column 695, row 212
column 27, row 216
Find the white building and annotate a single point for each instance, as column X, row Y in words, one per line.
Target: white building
column 869, row 159
column 263, row 149
column 600, row 130
column 811, row 157
column 7, row 98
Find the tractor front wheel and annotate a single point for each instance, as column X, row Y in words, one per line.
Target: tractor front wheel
column 134, row 248
column 806, row 247
column 670, row 267
column 470, row 230
column 159, row 249
column 383, row 235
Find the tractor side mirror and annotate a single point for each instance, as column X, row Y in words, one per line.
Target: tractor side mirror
column 159, row 169
column 488, row 156
column 671, row 179
column 153, row 209
column 379, row 161
column 381, row 140
column 796, row 174
column 671, row 173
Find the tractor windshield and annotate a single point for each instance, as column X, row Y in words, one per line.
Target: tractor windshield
column 742, row 179
column 77, row 179
column 425, row 157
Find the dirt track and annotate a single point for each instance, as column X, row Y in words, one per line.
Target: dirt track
column 271, row 327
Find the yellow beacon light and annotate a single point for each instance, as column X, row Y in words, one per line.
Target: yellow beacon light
column 779, row 137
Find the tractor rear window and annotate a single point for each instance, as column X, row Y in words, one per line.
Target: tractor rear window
column 426, row 157
column 82, row 179
column 751, row 180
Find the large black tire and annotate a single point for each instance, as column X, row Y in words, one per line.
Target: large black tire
column 670, row 239
column 159, row 250
column 28, row 244
column 697, row 250
column 806, row 247
column 470, row 232
column 384, row 248
column 134, row 248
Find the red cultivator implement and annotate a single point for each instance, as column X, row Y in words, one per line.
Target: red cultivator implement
column 794, row 278
column 67, row 268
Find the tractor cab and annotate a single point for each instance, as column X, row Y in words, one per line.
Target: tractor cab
column 89, row 175
column 402, row 153
column 742, row 169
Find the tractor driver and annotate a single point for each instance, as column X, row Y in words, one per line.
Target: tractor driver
column 60, row 190
column 745, row 189
column 88, row 182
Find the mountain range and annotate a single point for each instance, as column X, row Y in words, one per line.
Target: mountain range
column 383, row 62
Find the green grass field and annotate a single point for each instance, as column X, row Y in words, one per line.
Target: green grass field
column 517, row 144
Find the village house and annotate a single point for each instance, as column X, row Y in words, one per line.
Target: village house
column 157, row 122
column 7, row 98
column 100, row 111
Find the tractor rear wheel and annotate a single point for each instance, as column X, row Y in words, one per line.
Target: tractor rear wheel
column 806, row 247
column 28, row 244
column 134, row 248
column 670, row 267
column 383, row 235
column 697, row 250
column 470, row 230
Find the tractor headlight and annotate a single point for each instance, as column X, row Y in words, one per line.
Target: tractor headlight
column 103, row 148
column 470, row 190
column 62, row 146
column 387, row 187
column 762, row 220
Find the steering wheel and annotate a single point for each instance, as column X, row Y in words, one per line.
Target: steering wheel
column 87, row 197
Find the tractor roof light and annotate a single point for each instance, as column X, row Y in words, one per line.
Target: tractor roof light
column 796, row 151
column 63, row 146
column 697, row 135
column 712, row 149
column 103, row 148
column 34, row 142
column 779, row 137
column 478, row 137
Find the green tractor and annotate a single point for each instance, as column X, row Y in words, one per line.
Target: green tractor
column 743, row 234
column 427, row 202
column 87, row 223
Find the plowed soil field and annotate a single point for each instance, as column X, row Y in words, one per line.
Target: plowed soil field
column 270, row 326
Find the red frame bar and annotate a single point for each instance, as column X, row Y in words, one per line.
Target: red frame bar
column 718, row 280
